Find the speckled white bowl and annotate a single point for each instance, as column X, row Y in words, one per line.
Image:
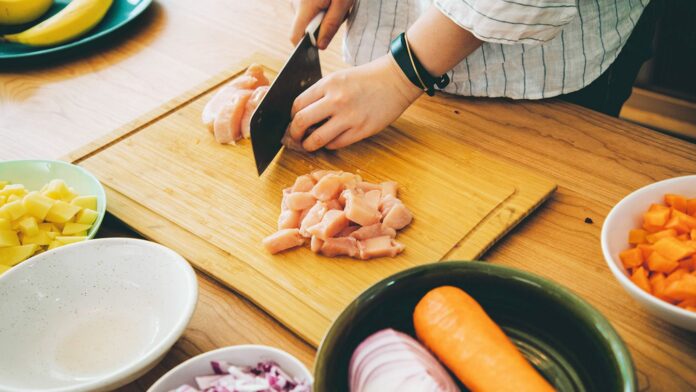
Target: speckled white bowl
column 627, row 215
column 242, row 355
column 92, row 316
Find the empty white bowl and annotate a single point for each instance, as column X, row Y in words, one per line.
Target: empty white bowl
column 242, row 355
column 627, row 215
column 92, row 316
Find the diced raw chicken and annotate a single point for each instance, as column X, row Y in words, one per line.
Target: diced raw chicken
column 334, row 205
column 312, row 217
column 388, row 202
column 373, row 198
column 251, row 105
column 319, row 174
column 315, row 244
column 329, row 186
column 358, row 210
column 342, row 246
column 348, row 231
column 379, row 247
column 289, row 219
column 256, row 71
column 226, row 126
column 331, row 224
column 372, row 231
column 368, row 186
column 303, row 183
column 389, row 188
column 284, row 201
column 300, row 200
column 398, row 217
column 282, row 240
column 253, row 77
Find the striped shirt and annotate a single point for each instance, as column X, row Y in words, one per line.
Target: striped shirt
column 532, row 49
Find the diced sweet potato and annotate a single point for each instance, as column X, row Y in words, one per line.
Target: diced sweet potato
column 676, row 275
column 678, row 225
column 678, row 202
column 647, row 249
column 657, row 283
column 659, row 263
column 691, row 207
column 673, row 249
column 683, row 218
column 637, row 236
column 682, row 289
column 654, row 237
column 640, row 278
column 631, row 258
column 655, row 220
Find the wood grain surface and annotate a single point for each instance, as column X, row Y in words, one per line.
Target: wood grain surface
column 57, row 106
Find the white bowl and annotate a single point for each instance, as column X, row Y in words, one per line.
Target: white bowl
column 626, row 215
column 92, row 316
column 242, row 355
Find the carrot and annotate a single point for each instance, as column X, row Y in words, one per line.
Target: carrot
column 654, row 237
column 691, row 207
column 460, row 333
column 678, row 202
column 631, row 258
column 637, row 236
column 640, row 278
column 673, row 249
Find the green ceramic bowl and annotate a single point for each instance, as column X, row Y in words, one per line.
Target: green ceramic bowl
column 567, row 340
column 34, row 174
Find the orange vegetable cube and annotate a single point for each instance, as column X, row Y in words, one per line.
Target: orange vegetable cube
column 657, row 282
column 688, row 220
column 631, row 258
column 637, row 236
column 654, row 237
column 640, row 278
column 647, row 249
column 657, row 207
column 675, row 275
column 683, row 237
column 678, row 202
column 655, row 220
column 687, row 264
column 693, row 234
column 684, row 288
column 673, row 249
column 691, row 207
column 659, row 263
column 677, row 224
column 688, row 304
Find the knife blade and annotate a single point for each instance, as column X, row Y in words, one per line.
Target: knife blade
column 272, row 116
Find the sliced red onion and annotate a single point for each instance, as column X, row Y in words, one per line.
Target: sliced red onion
column 391, row 361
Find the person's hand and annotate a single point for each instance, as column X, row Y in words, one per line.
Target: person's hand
column 356, row 103
column 305, row 10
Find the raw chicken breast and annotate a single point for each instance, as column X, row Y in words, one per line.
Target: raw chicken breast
column 358, row 210
column 373, row 198
column 389, row 188
column 372, row 231
column 256, row 71
column 250, row 107
column 379, row 247
column 315, row 244
column 299, row 200
column 343, row 246
column 312, row 217
column 331, row 224
column 226, row 126
column 329, row 186
column 282, row 240
column 303, row 183
column 398, row 217
column 334, row 205
column 289, row 219
column 368, row 186
column 348, row 231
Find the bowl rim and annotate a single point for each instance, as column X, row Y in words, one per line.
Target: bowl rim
column 101, row 193
column 159, row 348
column 620, row 272
column 580, row 307
column 227, row 349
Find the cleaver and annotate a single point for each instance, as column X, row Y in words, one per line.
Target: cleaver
column 272, row 116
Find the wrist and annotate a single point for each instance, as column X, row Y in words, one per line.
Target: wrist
column 399, row 80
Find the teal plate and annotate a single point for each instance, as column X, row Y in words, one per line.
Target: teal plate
column 120, row 13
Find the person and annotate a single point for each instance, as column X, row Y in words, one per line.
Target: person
column 583, row 51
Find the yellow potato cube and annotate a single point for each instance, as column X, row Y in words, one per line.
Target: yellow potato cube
column 38, row 205
column 5, row 224
column 14, row 210
column 13, row 189
column 71, row 228
column 70, row 239
column 28, row 226
column 51, row 234
column 12, row 198
column 42, row 238
column 4, row 268
column 86, row 216
column 3, row 200
column 3, row 183
column 54, row 244
column 58, row 190
column 58, row 227
column 61, row 212
column 8, row 238
column 89, row 201
column 13, row 255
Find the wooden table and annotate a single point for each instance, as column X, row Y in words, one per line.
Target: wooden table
column 50, row 109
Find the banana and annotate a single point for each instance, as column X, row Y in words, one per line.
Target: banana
column 15, row 12
column 77, row 18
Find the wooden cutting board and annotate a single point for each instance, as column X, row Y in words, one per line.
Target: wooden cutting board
column 168, row 179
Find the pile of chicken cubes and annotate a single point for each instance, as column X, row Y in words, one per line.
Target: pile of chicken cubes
column 32, row 222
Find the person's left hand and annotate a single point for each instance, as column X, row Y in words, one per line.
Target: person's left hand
column 356, row 103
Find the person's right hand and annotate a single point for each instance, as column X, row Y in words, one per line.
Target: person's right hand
column 305, row 10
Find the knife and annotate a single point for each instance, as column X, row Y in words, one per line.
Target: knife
column 272, row 116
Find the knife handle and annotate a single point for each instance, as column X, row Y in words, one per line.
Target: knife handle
column 313, row 27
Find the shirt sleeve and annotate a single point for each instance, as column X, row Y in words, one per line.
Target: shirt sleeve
column 510, row 21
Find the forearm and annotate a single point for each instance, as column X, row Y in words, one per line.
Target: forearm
column 439, row 43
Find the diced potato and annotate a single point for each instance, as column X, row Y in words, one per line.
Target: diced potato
column 14, row 210
column 41, row 238
column 70, row 239
column 89, row 201
column 3, row 183
column 71, row 228
column 51, row 234
column 3, row 200
column 4, row 268
column 86, row 216
column 15, row 254
column 61, row 212
column 12, row 198
column 5, row 224
column 54, row 244
column 58, row 190
column 28, row 226
column 13, row 189
column 38, row 205
column 8, row 238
